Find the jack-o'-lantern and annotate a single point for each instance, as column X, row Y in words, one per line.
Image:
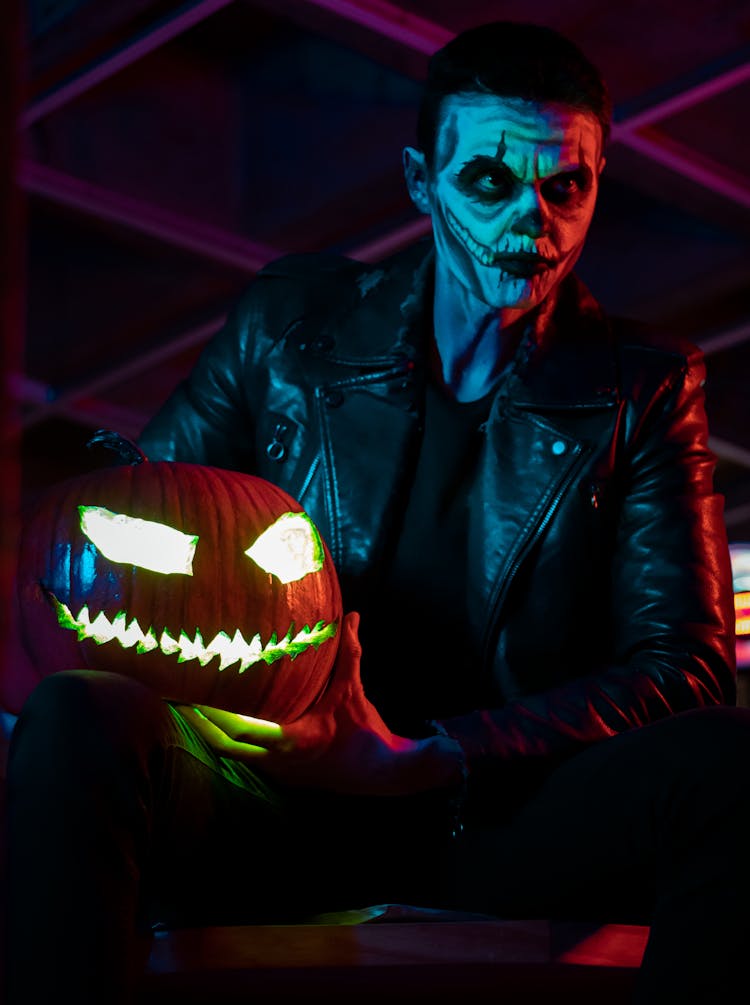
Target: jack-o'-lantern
column 211, row 586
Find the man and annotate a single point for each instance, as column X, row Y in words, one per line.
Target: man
column 517, row 493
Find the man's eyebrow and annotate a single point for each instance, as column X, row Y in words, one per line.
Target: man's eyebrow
column 491, row 162
column 488, row 161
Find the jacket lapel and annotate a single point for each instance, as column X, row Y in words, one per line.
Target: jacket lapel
column 551, row 417
column 535, row 443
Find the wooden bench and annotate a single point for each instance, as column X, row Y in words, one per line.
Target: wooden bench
column 526, row 962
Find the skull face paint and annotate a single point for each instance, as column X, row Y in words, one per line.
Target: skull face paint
column 511, row 193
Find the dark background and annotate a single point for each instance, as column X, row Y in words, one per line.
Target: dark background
column 169, row 150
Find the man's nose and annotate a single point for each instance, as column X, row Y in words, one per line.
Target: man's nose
column 530, row 217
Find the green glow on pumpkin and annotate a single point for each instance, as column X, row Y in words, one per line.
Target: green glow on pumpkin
column 289, row 549
column 229, row 650
column 144, row 543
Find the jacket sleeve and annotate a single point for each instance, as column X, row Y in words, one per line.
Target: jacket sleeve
column 672, row 609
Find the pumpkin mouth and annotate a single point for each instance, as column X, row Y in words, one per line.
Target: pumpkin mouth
column 229, row 650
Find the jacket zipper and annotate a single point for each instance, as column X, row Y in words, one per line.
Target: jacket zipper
column 518, row 561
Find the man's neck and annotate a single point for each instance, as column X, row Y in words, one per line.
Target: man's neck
column 474, row 341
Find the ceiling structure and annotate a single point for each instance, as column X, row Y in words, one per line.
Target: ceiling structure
column 172, row 149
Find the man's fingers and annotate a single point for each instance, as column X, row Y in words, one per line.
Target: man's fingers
column 350, row 631
column 245, row 728
column 217, row 739
column 348, row 656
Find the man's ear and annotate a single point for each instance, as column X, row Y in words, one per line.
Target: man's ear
column 415, row 171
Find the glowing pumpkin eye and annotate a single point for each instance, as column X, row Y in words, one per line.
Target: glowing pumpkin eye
column 289, row 549
column 144, row 543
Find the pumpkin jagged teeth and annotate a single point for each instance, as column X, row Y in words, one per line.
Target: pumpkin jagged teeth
column 167, row 644
column 80, row 624
column 204, row 655
column 229, row 651
column 310, row 637
column 253, row 654
column 191, row 649
column 148, row 642
column 128, row 634
column 100, row 629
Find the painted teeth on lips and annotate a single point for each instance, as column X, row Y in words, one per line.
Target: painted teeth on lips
column 479, row 251
column 522, row 264
column 516, row 263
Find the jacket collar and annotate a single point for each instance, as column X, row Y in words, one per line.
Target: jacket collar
column 566, row 358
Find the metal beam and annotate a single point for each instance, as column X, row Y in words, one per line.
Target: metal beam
column 155, row 36
column 393, row 241
column 145, row 218
column 183, row 232
column 388, row 20
column 730, row 451
column 426, row 36
column 661, row 110
column 689, row 163
column 88, row 411
column 725, row 340
column 49, row 401
column 377, row 16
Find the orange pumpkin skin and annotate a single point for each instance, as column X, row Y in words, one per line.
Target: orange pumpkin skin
column 227, row 591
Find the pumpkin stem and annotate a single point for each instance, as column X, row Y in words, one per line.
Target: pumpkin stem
column 128, row 450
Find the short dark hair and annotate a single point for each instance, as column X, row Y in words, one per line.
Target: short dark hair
column 511, row 59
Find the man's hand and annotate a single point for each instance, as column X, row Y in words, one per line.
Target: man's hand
column 340, row 744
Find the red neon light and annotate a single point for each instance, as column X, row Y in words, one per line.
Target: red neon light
column 742, row 612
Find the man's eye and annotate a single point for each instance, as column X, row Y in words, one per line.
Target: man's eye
column 562, row 187
column 489, row 182
column 484, row 184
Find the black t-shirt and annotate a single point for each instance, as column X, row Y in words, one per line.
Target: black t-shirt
column 419, row 658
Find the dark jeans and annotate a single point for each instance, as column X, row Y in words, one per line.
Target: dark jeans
column 119, row 818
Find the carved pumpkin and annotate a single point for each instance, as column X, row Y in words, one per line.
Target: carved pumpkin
column 211, row 586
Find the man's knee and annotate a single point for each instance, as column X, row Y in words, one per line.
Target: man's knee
column 86, row 713
column 715, row 734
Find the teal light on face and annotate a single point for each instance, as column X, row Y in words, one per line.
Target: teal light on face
column 289, row 549
column 143, row 543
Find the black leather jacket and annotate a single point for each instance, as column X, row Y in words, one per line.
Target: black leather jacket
column 600, row 576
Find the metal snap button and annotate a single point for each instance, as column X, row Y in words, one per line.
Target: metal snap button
column 323, row 344
column 333, row 397
column 276, row 449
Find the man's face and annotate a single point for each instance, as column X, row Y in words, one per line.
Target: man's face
column 511, row 193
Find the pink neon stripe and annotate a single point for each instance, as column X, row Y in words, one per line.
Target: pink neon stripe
column 151, row 360
column 689, row 163
column 92, row 411
column 130, row 54
column 686, row 99
column 179, row 231
column 386, row 19
column 730, row 451
column 725, row 340
column 392, row 242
